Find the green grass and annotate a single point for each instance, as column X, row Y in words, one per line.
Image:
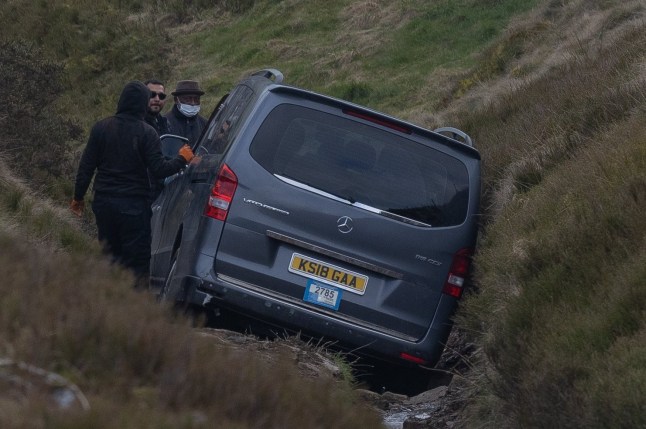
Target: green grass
column 323, row 46
column 447, row 34
column 317, row 45
column 39, row 219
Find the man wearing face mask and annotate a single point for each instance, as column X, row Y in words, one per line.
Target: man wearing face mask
column 184, row 118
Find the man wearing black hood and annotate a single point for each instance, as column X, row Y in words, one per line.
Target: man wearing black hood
column 121, row 149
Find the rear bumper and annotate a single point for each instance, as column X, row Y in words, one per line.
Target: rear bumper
column 218, row 292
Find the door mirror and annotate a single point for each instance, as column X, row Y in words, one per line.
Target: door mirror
column 171, row 144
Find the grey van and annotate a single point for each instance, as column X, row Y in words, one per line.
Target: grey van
column 320, row 216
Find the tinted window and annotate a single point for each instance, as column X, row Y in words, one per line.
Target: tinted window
column 364, row 164
column 225, row 124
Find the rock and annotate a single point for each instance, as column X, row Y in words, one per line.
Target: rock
column 429, row 396
column 383, row 402
column 22, row 381
column 417, row 422
column 394, row 397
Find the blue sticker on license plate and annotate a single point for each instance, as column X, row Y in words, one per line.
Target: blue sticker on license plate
column 322, row 294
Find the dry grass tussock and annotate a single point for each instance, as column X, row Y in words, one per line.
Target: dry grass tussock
column 561, row 297
column 7, row 179
column 523, row 140
column 37, row 219
column 11, row 184
column 368, row 24
column 363, row 27
column 574, row 327
column 77, row 316
column 549, row 36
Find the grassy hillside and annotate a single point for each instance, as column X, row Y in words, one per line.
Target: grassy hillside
column 81, row 349
column 561, row 266
column 554, row 95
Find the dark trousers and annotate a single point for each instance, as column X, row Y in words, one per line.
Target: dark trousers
column 124, row 230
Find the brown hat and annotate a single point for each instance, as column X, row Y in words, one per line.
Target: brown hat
column 187, row 87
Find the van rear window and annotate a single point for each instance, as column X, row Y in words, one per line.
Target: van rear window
column 362, row 163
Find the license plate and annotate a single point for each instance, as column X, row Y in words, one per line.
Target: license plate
column 328, row 273
column 322, row 294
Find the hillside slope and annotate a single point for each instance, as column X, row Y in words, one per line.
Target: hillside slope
column 555, row 104
column 559, row 311
column 80, row 348
column 555, row 98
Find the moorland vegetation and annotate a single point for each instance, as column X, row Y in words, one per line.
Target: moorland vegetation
column 552, row 92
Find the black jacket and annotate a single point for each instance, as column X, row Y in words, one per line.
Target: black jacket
column 191, row 128
column 159, row 123
column 121, row 148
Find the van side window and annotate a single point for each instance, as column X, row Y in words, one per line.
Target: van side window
column 225, row 124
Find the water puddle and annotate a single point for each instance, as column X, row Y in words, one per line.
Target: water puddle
column 394, row 419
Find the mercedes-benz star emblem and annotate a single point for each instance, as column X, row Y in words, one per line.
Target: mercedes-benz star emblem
column 344, row 224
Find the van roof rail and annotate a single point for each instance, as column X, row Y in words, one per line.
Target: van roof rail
column 271, row 74
column 453, row 133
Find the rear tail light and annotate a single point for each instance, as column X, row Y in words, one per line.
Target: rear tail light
column 378, row 120
column 412, row 358
column 454, row 285
column 221, row 195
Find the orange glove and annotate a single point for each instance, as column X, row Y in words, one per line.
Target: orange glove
column 77, row 207
column 186, row 153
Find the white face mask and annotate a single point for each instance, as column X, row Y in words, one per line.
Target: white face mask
column 189, row 110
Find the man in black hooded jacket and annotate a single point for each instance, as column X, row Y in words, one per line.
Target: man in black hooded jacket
column 121, row 149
